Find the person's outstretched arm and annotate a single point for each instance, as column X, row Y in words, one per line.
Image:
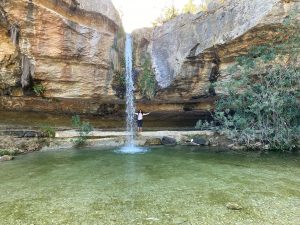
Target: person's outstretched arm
column 136, row 113
column 146, row 114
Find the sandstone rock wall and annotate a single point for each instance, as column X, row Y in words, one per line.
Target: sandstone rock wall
column 70, row 47
column 74, row 50
column 191, row 51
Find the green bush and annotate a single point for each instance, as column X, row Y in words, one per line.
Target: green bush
column 147, row 81
column 119, row 84
column 39, row 89
column 48, row 131
column 8, row 152
column 169, row 13
column 84, row 129
column 260, row 105
column 205, row 125
column 190, row 7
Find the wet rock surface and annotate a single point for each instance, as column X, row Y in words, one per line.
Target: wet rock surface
column 169, row 141
column 153, row 141
column 200, row 141
column 11, row 145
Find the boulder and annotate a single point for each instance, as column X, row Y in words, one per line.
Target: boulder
column 32, row 134
column 6, row 158
column 200, row 141
column 169, row 141
column 153, row 141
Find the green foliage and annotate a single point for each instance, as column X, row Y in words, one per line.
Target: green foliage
column 48, row 131
column 119, row 84
column 8, row 152
column 84, row 129
column 203, row 7
column 76, row 121
column 168, row 14
column 204, row 125
column 190, row 7
column 147, row 81
column 39, row 89
column 260, row 105
column 265, row 106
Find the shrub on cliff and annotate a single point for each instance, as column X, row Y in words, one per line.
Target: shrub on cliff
column 190, row 7
column 168, row 14
column 147, row 80
column 262, row 108
column 260, row 105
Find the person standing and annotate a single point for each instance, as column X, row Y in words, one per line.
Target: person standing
column 140, row 116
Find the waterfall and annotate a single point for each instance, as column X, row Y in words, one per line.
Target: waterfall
column 130, row 147
column 14, row 31
column 130, row 106
column 27, row 71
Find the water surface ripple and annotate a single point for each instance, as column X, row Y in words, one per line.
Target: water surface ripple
column 174, row 185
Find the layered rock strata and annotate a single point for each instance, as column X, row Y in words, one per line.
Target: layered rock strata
column 191, row 52
column 68, row 48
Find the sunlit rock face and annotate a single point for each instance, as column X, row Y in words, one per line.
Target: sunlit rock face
column 9, row 60
column 192, row 51
column 71, row 47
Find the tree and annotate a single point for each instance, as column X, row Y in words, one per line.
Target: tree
column 203, row 6
column 190, row 7
column 168, row 14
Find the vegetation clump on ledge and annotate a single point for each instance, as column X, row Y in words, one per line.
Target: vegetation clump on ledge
column 84, row 128
column 260, row 105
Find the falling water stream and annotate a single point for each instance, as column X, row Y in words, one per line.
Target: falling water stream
column 14, row 34
column 130, row 106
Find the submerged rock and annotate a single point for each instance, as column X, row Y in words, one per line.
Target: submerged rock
column 233, row 206
column 152, row 219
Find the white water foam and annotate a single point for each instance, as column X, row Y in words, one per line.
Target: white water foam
column 132, row 150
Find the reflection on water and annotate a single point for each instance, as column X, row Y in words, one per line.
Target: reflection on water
column 174, row 185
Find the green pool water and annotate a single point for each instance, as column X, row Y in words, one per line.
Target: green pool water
column 175, row 185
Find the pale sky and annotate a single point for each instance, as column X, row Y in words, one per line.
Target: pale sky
column 141, row 13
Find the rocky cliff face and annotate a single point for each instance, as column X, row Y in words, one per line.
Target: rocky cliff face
column 71, row 53
column 190, row 52
column 64, row 48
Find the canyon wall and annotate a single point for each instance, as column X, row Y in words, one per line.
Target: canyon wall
column 191, row 52
column 66, row 56
column 66, row 49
